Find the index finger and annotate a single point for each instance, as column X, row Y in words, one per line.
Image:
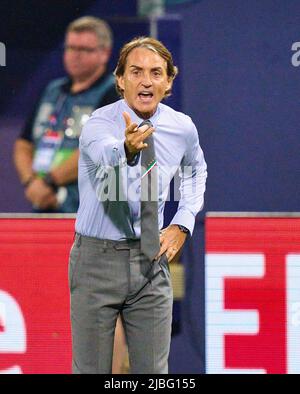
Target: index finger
column 130, row 127
column 162, row 250
column 127, row 119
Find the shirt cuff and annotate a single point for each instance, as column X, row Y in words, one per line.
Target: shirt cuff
column 184, row 218
column 133, row 162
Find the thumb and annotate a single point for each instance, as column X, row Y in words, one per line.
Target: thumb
column 127, row 119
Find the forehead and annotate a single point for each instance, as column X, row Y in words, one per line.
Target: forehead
column 86, row 38
column 145, row 58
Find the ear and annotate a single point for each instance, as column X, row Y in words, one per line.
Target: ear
column 120, row 81
column 169, row 84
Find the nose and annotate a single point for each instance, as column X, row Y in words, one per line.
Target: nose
column 146, row 81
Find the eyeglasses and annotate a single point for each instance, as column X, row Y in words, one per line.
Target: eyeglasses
column 84, row 50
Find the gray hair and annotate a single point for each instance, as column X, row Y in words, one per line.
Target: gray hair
column 95, row 25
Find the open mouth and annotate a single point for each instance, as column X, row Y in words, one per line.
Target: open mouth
column 145, row 96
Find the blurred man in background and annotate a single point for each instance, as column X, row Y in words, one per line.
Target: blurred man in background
column 46, row 153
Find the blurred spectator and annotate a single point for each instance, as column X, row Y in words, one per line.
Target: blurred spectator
column 46, row 152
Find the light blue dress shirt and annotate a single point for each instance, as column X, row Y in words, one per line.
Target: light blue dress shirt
column 110, row 188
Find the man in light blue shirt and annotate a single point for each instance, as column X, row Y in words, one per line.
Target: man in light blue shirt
column 110, row 272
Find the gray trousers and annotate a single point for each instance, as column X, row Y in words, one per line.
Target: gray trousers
column 108, row 278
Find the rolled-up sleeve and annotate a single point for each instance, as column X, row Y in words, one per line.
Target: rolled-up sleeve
column 193, row 174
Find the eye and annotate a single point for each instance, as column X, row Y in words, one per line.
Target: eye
column 157, row 73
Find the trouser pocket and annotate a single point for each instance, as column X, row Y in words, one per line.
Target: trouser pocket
column 164, row 263
column 73, row 264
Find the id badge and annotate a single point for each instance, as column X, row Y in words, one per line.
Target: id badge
column 46, row 150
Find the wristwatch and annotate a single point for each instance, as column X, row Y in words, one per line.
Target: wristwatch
column 183, row 229
column 29, row 180
column 49, row 181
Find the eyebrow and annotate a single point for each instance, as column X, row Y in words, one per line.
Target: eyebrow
column 140, row 68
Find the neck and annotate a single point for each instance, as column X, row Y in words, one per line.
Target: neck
column 82, row 83
column 142, row 115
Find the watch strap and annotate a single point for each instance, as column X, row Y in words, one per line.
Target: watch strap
column 49, row 181
column 183, row 229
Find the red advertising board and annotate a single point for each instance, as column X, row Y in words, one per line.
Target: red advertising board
column 34, row 296
column 252, row 274
column 252, row 295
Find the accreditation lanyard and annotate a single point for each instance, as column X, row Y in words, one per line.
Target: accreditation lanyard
column 51, row 140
